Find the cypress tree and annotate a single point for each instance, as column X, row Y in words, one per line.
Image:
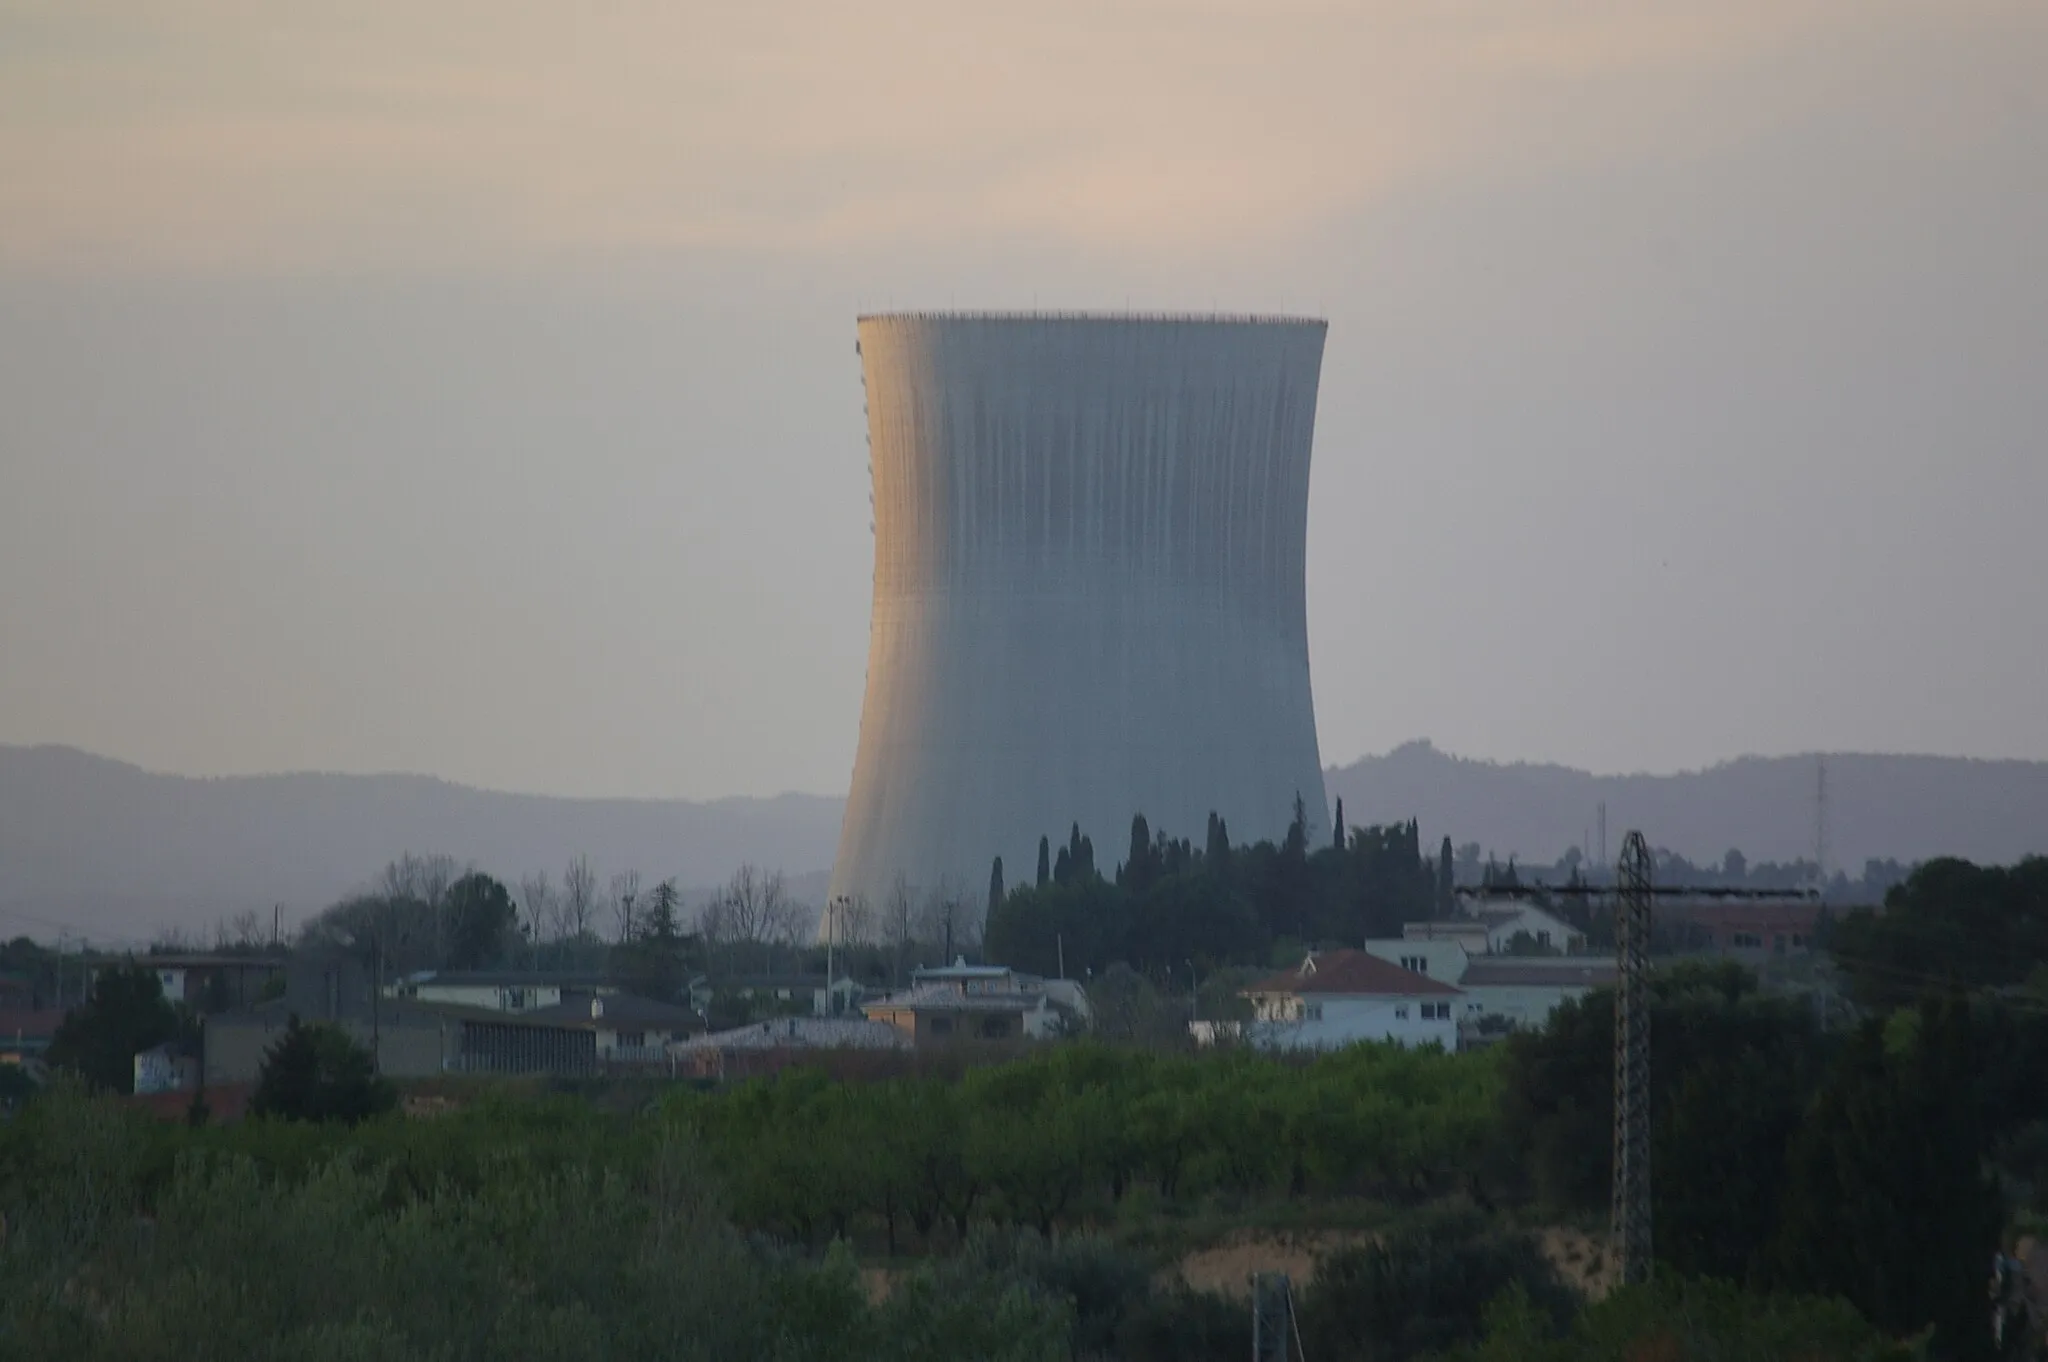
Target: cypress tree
column 1446, row 886
column 995, row 886
column 1339, row 820
column 1044, row 861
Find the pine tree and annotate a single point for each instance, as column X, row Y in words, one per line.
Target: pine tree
column 316, row 1073
column 1044, row 861
column 1136, row 874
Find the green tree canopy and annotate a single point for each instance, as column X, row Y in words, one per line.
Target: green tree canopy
column 480, row 921
column 125, row 1015
column 316, row 1073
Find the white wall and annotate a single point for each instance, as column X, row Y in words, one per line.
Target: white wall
column 1538, row 924
column 1309, row 1022
column 1527, row 1005
column 1445, row 960
column 498, row 997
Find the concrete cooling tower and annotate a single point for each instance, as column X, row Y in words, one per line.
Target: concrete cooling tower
column 1089, row 546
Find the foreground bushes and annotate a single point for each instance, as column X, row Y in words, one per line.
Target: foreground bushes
column 1074, row 1128
column 220, row 1260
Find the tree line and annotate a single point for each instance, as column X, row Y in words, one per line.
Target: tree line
column 1169, row 905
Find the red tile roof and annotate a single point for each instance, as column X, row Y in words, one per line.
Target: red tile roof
column 1353, row 972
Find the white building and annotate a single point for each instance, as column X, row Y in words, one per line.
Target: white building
column 1520, row 989
column 498, row 990
column 1338, row 998
column 1492, row 930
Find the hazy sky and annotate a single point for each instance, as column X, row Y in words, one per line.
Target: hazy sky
column 469, row 387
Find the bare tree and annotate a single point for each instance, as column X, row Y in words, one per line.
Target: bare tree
column 247, row 929
column 848, row 922
column 899, row 924
column 423, row 878
column 537, row 894
column 625, row 892
column 857, row 920
column 941, row 919
column 579, row 899
column 742, row 920
column 782, row 917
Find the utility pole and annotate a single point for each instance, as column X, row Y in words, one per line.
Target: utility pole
column 376, row 1001
column 1630, row 1216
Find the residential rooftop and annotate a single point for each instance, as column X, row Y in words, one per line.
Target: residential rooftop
column 1352, row 973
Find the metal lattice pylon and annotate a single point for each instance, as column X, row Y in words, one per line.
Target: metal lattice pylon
column 1630, row 1222
column 1276, row 1334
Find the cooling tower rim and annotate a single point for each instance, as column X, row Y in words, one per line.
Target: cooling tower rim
column 1102, row 318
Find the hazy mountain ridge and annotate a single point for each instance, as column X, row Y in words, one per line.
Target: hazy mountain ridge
column 111, row 850
column 108, row 848
column 1903, row 807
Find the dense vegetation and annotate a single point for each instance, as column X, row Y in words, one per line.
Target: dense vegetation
column 1827, row 1185
column 1170, row 904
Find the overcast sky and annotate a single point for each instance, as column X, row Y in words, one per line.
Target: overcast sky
column 469, row 388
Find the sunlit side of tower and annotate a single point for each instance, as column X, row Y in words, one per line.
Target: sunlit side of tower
column 1090, row 536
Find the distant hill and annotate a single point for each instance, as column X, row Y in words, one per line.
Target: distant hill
column 1900, row 807
column 113, row 851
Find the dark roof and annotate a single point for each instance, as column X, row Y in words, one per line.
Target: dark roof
column 758, row 981
column 1352, row 972
column 621, row 1010
column 942, row 997
column 1782, row 917
column 510, row 978
column 1509, row 972
column 31, row 1023
column 203, row 960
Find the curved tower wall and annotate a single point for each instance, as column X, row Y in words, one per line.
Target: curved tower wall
column 1090, row 536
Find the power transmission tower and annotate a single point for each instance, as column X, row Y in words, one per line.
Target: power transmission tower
column 1276, row 1336
column 1634, row 891
column 1630, row 1223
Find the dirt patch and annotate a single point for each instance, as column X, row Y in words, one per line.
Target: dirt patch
column 1227, row 1267
column 877, row 1282
column 1580, row 1259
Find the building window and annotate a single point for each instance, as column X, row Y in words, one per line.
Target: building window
column 1798, row 940
column 992, row 1028
column 632, row 1040
column 942, row 1026
column 1436, row 1011
column 1543, row 938
column 1315, row 1011
column 1475, row 1007
column 1418, row 963
column 1400, row 1014
column 1748, row 941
